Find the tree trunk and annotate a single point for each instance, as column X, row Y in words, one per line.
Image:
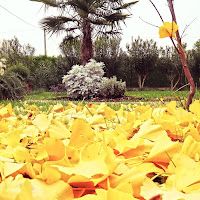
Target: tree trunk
column 140, row 80
column 144, row 78
column 176, row 82
column 87, row 51
column 189, row 78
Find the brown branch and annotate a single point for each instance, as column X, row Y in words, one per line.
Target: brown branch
column 183, row 59
column 174, row 45
column 149, row 23
column 186, row 27
column 157, row 10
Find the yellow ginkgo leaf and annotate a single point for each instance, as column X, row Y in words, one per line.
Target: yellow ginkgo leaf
column 10, row 168
column 168, row 29
column 22, row 155
column 6, row 111
column 42, row 122
column 3, row 127
column 12, row 139
column 101, row 160
column 54, row 148
column 135, row 176
column 151, row 132
column 26, row 191
column 50, row 175
column 164, row 150
column 195, row 107
column 190, row 147
column 58, row 130
column 96, row 119
column 81, row 134
column 186, row 170
column 58, row 108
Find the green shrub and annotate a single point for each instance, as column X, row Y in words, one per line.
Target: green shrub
column 84, row 81
column 11, row 86
column 111, row 88
column 45, row 75
column 21, row 70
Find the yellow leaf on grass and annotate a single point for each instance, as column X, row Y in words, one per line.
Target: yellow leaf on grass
column 58, row 108
column 10, row 168
column 42, row 122
column 150, row 190
column 10, row 188
column 81, row 134
column 135, row 176
column 50, row 175
column 22, row 155
column 13, row 138
column 118, row 195
column 190, row 147
column 163, row 150
column 26, row 191
column 58, row 190
column 101, row 160
column 6, row 111
column 151, row 132
column 58, row 130
column 186, row 170
column 195, row 107
column 3, row 127
column 111, row 194
column 54, row 148
column 42, row 153
column 96, row 119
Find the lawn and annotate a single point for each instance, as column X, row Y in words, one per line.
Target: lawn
column 143, row 95
column 44, row 99
column 156, row 94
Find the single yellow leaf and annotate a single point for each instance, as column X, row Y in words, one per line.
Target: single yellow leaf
column 50, row 175
column 42, row 122
column 81, row 134
column 168, row 29
column 26, row 191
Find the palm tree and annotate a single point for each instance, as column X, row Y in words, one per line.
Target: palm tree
column 86, row 18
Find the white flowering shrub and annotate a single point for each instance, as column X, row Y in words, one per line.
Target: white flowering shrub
column 84, row 81
column 111, row 88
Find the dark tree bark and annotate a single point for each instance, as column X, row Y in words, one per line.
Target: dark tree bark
column 87, row 51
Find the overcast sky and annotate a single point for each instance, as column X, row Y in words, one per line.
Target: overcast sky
column 21, row 18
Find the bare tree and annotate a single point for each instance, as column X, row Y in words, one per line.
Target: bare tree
column 171, row 30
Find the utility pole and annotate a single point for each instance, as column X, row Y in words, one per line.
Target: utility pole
column 45, row 43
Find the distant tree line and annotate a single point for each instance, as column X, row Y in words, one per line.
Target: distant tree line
column 141, row 64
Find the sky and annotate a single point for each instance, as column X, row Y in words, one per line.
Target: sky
column 20, row 18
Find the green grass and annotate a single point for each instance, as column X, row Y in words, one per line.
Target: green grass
column 168, row 95
column 44, row 99
column 144, row 95
column 45, row 95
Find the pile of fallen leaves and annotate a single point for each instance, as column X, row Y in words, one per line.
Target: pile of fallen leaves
column 93, row 152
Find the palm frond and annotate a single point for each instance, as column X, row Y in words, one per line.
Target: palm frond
column 55, row 24
column 99, row 22
column 52, row 3
column 126, row 5
column 79, row 4
column 115, row 17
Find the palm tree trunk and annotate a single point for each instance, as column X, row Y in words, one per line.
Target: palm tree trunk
column 87, row 51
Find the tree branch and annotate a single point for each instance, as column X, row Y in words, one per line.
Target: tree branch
column 157, row 10
column 183, row 59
